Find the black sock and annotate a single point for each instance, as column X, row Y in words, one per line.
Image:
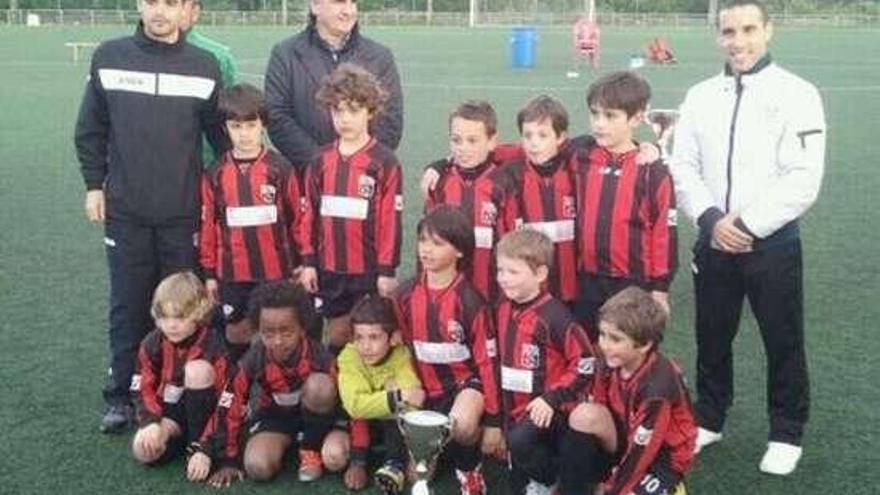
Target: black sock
column 583, row 463
column 199, row 405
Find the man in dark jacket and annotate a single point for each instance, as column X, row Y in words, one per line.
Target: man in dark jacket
column 298, row 126
column 149, row 99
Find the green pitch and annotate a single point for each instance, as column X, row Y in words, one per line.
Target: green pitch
column 53, row 281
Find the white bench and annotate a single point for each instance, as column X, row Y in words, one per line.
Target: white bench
column 77, row 47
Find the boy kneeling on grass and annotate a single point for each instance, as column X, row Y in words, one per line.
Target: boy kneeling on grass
column 180, row 371
column 636, row 434
column 295, row 380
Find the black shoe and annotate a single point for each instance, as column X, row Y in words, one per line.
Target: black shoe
column 117, row 419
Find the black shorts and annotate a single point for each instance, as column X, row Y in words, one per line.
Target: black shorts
column 444, row 403
column 234, row 297
column 338, row 293
column 277, row 420
column 593, row 291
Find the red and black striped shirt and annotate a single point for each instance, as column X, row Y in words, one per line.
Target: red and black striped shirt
column 351, row 218
column 279, row 389
column 627, row 218
column 544, row 199
column 248, row 215
column 159, row 374
column 452, row 338
column 543, row 353
column 482, row 199
column 654, row 409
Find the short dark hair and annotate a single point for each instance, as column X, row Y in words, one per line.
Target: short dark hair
column 730, row 4
column 449, row 223
column 373, row 309
column 531, row 246
column 477, row 111
column 243, row 101
column 352, row 83
column 282, row 294
column 622, row 90
column 635, row 313
column 544, row 107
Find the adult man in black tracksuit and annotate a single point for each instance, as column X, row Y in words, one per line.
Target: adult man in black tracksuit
column 298, row 125
column 148, row 100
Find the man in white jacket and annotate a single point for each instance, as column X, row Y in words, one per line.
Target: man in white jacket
column 748, row 162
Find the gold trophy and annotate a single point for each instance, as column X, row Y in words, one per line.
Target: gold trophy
column 662, row 121
column 425, row 434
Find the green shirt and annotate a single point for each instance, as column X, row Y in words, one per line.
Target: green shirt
column 362, row 387
column 228, row 72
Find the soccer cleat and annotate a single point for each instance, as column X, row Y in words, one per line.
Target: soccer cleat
column 535, row 488
column 118, row 418
column 705, row 438
column 390, row 479
column 471, row 482
column 311, row 467
column 781, row 458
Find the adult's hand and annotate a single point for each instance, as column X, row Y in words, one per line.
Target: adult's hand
column 729, row 237
column 95, row 206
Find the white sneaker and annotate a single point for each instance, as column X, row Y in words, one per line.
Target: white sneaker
column 535, row 488
column 781, row 458
column 705, row 438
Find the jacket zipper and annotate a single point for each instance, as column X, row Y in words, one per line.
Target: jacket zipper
column 739, row 91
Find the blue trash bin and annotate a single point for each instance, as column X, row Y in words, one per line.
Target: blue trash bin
column 522, row 47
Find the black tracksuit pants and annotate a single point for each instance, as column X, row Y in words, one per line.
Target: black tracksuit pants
column 771, row 279
column 139, row 256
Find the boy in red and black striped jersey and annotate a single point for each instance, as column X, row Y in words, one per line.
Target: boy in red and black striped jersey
column 448, row 326
column 542, row 188
column 546, row 360
column 295, row 381
column 180, row 370
column 468, row 180
column 250, row 198
column 350, row 233
column 637, row 432
column 626, row 212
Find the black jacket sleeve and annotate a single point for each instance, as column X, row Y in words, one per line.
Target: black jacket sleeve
column 212, row 120
column 389, row 124
column 286, row 133
column 92, row 131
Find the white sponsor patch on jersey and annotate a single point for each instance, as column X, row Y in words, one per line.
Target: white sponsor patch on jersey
column 642, row 436
column 172, row 394
column 344, row 207
column 398, row 202
column 516, row 380
column 492, row 347
column 441, row 352
column 672, row 217
column 251, row 216
column 557, row 231
column 287, row 399
column 135, row 383
column 225, row 400
column 484, row 237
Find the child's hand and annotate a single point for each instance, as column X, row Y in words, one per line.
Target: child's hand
column 493, row 443
column 429, row 182
column 309, row 279
column 94, row 206
column 540, row 412
column 199, row 467
column 225, row 476
column 414, row 397
column 648, row 153
column 213, row 288
column 355, row 477
column 662, row 299
column 295, row 273
column 386, row 285
column 152, row 440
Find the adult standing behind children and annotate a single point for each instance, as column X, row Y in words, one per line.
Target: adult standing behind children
column 148, row 100
column 299, row 125
column 748, row 162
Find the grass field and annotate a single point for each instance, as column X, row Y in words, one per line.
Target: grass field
column 53, row 280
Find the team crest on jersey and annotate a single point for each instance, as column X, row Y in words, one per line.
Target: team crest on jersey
column 586, row 366
column 455, row 331
column 642, row 436
column 530, row 356
column 568, row 207
column 366, row 186
column 488, row 213
column 267, row 193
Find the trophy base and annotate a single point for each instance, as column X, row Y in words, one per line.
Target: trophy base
column 421, row 487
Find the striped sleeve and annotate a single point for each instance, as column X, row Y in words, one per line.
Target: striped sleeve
column 484, row 346
column 662, row 232
column 388, row 225
column 293, row 205
column 572, row 342
column 208, row 231
column 146, row 381
column 649, row 426
column 308, row 221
